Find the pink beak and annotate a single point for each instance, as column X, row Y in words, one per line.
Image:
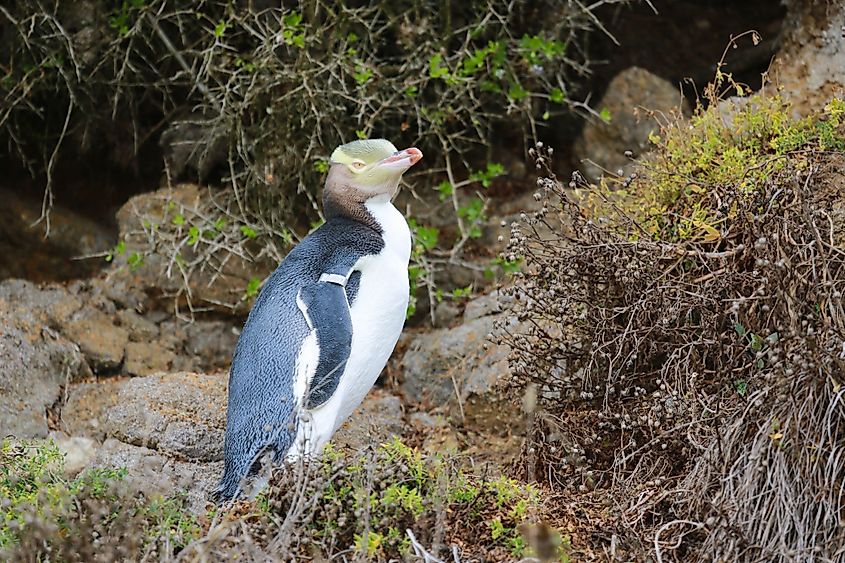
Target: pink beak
column 402, row 159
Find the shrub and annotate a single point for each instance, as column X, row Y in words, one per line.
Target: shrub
column 262, row 95
column 93, row 517
column 683, row 338
column 387, row 504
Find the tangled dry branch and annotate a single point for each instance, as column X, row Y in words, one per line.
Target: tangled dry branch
column 693, row 388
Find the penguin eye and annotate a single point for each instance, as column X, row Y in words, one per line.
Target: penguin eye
column 358, row 165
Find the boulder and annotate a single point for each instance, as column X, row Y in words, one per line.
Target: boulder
column 84, row 413
column 449, row 364
column 375, row 421
column 153, row 473
column 28, row 250
column 810, row 65
column 179, row 414
column 147, row 358
column 221, row 290
column 631, row 97
column 36, row 361
column 102, row 342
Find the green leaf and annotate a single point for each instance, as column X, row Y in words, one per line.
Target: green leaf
column 220, row 28
column 248, row 231
column 516, row 92
column 193, row 235
column 252, row 287
column 557, row 96
column 741, row 387
column 427, row 237
column 605, row 116
column 179, row 219
column 293, row 19
column 740, row 330
column 362, row 75
column 135, row 261
column 411, row 91
column 446, row 190
column 361, row 134
column 486, row 176
column 436, row 68
column 321, row 166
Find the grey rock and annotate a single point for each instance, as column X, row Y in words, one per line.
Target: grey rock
column 154, row 473
column 147, row 358
column 79, row 451
column 84, row 413
column 102, row 342
column 36, row 362
column 446, row 364
column 180, row 414
column 211, row 343
column 218, row 290
column 482, row 306
column 28, row 250
column 378, row 418
column 810, row 65
column 630, row 96
column 140, row 329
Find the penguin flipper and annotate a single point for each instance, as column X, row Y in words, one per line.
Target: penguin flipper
column 327, row 311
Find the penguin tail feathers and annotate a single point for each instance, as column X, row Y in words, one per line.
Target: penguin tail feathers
column 228, row 489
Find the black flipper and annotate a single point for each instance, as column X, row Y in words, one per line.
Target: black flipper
column 328, row 314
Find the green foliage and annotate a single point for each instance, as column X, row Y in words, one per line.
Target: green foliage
column 672, row 197
column 36, row 497
column 473, row 213
column 286, row 85
column 252, row 288
column 485, row 177
column 366, row 504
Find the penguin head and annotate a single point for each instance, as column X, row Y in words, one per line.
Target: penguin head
column 367, row 169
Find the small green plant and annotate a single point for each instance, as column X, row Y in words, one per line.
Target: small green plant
column 366, row 504
column 37, row 497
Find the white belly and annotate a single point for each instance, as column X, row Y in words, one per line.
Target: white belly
column 378, row 315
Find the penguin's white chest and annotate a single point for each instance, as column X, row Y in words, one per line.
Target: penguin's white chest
column 378, row 315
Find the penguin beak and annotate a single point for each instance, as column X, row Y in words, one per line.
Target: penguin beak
column 401, row 160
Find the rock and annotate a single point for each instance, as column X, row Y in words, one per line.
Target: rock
column 180, row 414
column 86, row 406
column 155, row 474
column 488, row 304
column 79, row 451
column 27, row 251
column 212, row 343
column 438, row 436
column 378, row 418
column 809, row 68
column 54, row 305
column 219, row 290
column 446, row 363
column 102, row 342
column 140, row 329
column 147, row 358
column 36, row 362
column 630, row 96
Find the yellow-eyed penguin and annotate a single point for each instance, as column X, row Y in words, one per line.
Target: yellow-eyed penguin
column 326, row 320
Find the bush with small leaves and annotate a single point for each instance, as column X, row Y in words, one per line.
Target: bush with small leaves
column 680, row 337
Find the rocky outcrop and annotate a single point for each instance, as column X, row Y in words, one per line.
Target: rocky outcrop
column 36, row 361
column 29, row 250
column 631, row 108
column 810, row 66
column 169, row 428
column 448, row 365
column 179, row 414
column 219, row 288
